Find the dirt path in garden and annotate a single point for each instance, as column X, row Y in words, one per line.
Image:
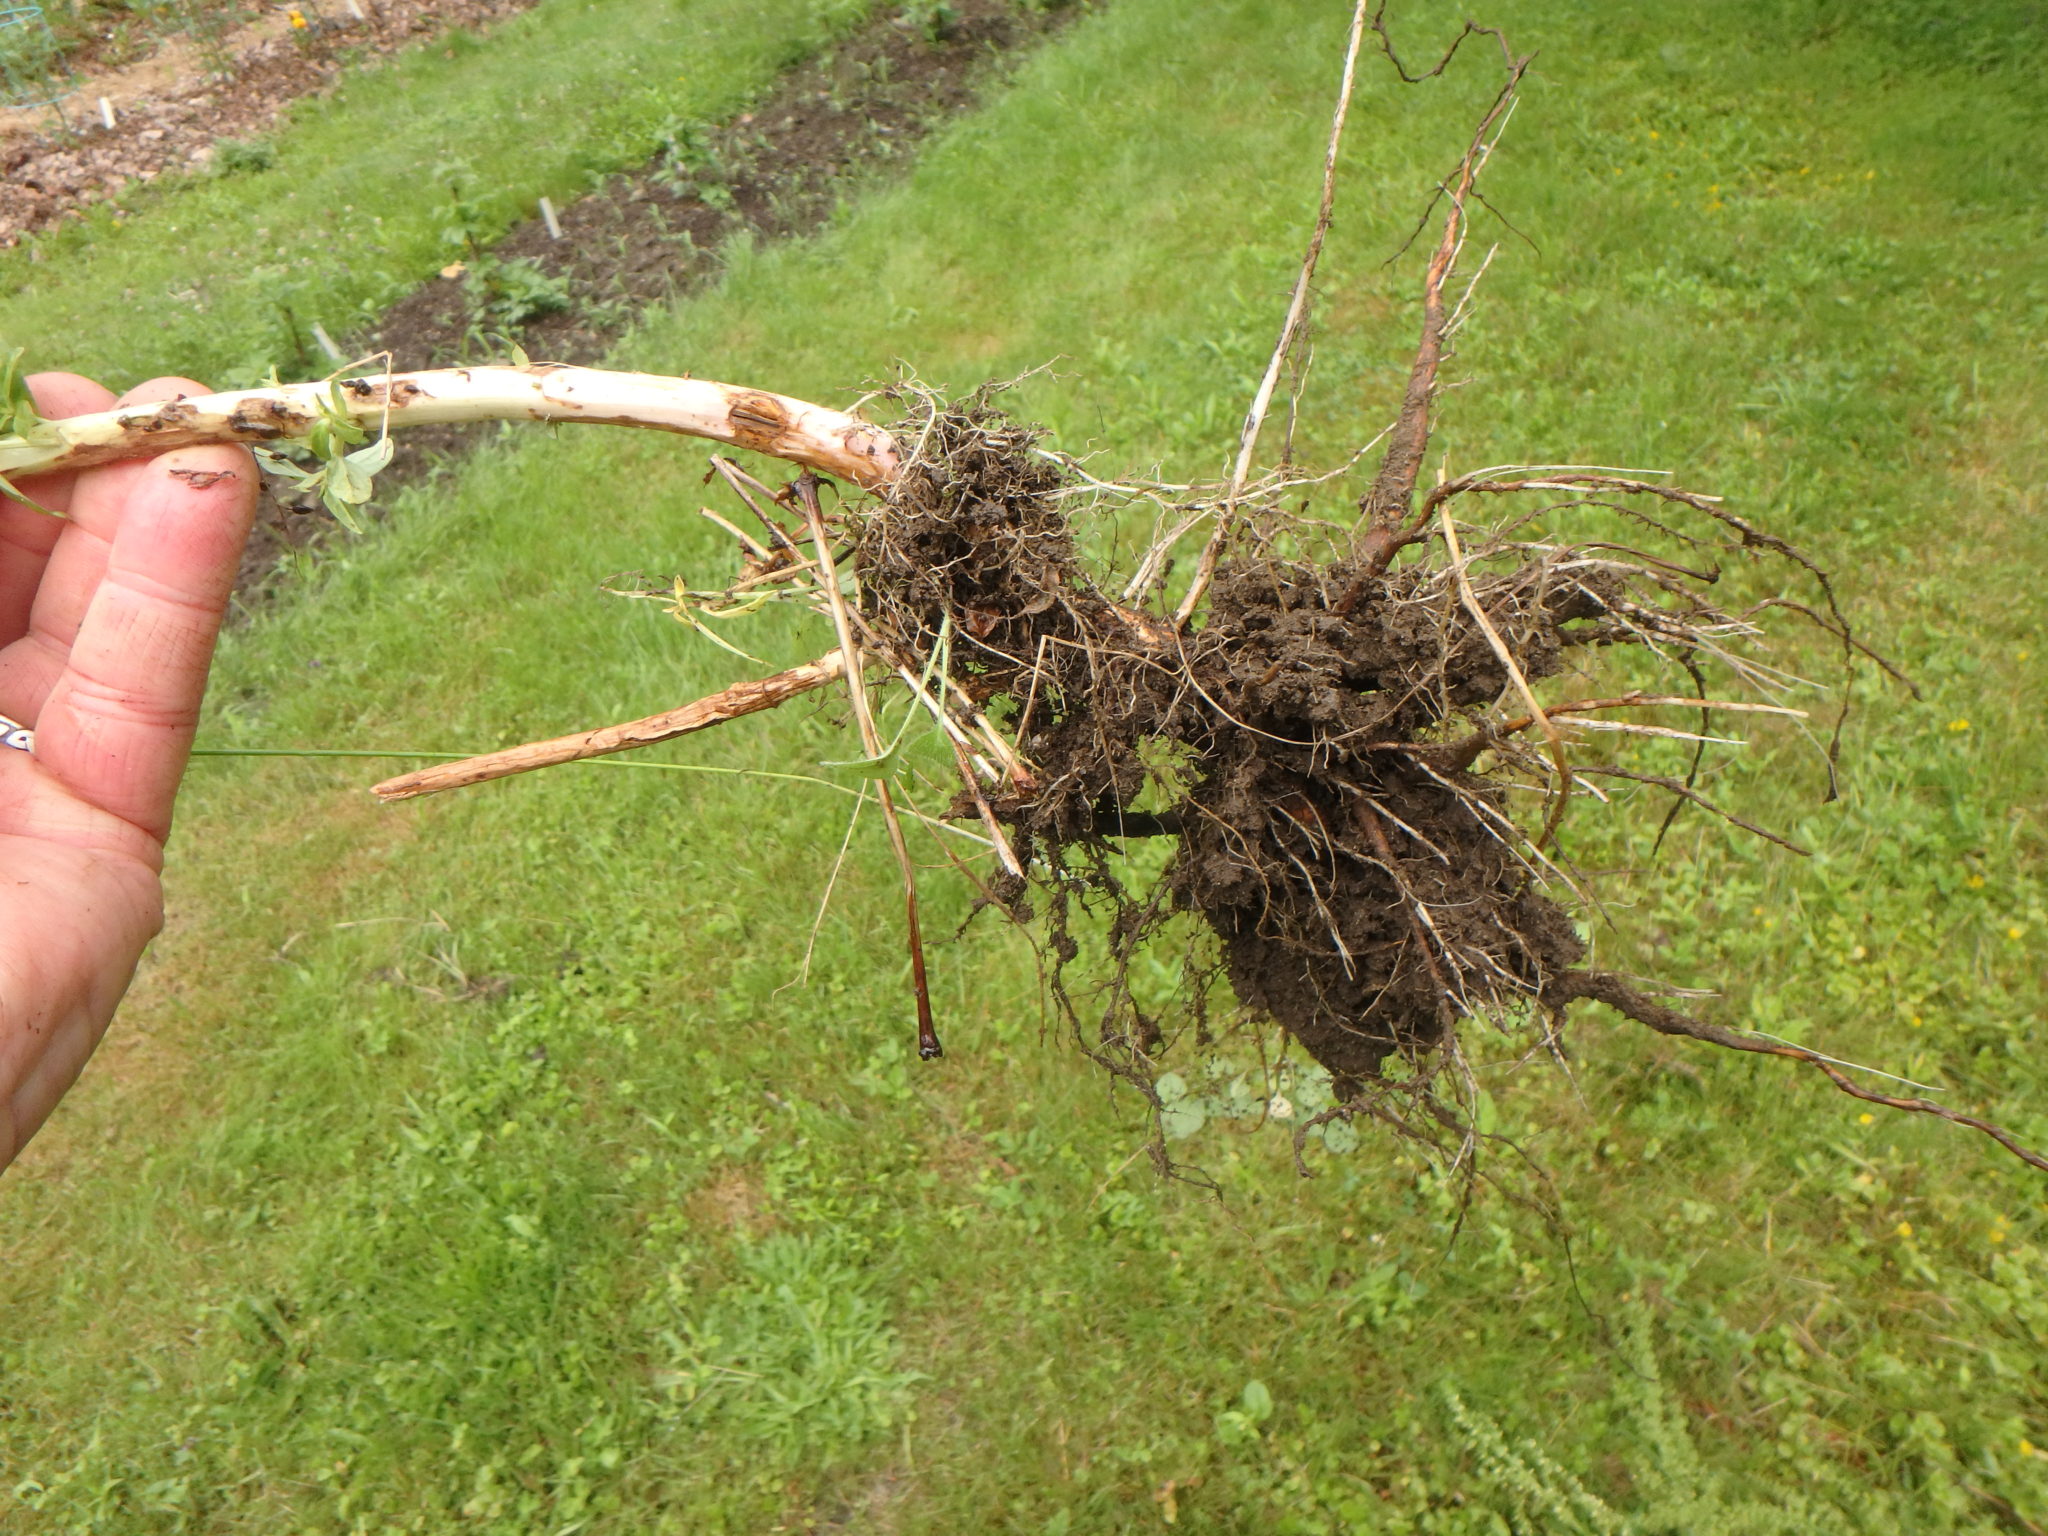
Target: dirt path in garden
column 171, row 108
column 774, row 172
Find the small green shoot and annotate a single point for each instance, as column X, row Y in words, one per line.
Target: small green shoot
column 345, row 473
column 18, row 415
column 20, row 422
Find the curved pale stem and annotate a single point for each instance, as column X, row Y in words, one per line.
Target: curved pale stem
column 829, row 441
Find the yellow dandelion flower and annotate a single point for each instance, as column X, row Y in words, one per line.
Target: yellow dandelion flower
column 1866, row 1119
column 1655, row 134
column 1975, row 882
column 1904, row 1229
column 1916, row 1021
column 1959, row 725
column 2014, row 931
column 2027, row 1447
column 298, row 20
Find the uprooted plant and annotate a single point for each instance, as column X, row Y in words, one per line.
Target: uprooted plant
column 1361, row 737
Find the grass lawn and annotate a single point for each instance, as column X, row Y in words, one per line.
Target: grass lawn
column 476, row 1165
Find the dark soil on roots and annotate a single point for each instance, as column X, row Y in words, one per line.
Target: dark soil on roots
column 776, row 171
column 1317, row 747
column 1329, row 822
column 1335, row 748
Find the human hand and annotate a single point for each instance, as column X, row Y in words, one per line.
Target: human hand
column 107, row 625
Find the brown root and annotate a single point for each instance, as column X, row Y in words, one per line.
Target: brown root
column 1605, row 987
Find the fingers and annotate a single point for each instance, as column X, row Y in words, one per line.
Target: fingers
column 95, row 500
column 26, row 535
column 118, row 722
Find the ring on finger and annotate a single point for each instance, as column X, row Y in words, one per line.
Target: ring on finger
column 14, row 734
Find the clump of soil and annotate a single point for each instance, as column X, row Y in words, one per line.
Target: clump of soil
column 1348, row 749
column 1352, row 864
column 1314, row 746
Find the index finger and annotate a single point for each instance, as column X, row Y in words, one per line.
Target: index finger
column 118, row 726
column 26, row 535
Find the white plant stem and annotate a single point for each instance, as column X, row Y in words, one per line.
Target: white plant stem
column 829, row 441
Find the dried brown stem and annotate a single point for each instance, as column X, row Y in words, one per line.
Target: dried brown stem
column 1472, row 29
column 1558, row 757
column 1463, row 753
column 805, row 488
column 1290, row 333
column 745, row 698
column 1393, row 489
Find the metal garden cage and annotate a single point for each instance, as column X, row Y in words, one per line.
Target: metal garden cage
column 33, row 72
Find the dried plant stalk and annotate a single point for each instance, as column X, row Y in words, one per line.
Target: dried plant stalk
column 744, row 698
column 819, row 438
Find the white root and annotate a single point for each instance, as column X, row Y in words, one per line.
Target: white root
column 831, row 442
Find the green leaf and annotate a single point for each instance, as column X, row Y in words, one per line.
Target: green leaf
column 17, row 410
column 882, row 767
column 348, row 480
column 374, row 459
column 1183, row 1119
column 350, row 475
column 344, row 513
column 278, row 464
column 335, row 412
column 7, row 489
column 1258, row 1402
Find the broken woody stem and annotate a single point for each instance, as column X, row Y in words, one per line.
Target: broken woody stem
column 745, row 698
column 829, row 441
